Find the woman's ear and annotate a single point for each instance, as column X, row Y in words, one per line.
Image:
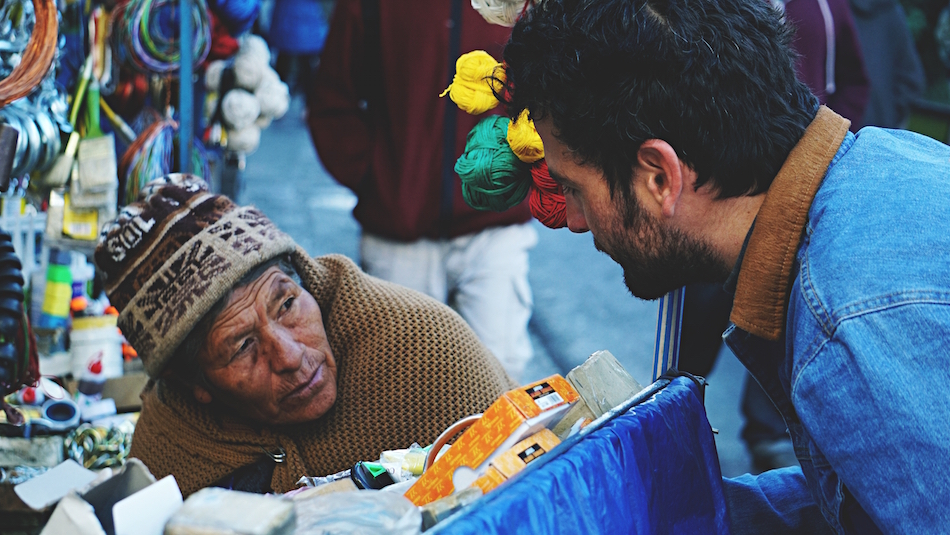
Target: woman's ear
column 201, row 395
column 659, row 167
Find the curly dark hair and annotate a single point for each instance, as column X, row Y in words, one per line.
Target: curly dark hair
column 713, row 78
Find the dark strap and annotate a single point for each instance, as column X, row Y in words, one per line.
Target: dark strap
column 449, row 125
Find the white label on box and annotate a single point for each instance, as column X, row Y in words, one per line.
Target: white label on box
column 551, row 400
column 544, row 396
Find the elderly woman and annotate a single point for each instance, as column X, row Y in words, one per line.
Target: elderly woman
column 268, row 365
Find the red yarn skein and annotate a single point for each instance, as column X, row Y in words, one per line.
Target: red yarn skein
column 545, row 199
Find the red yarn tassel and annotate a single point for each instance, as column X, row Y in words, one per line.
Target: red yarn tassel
column 546, row 200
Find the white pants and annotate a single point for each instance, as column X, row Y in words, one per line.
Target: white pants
column 483, row 276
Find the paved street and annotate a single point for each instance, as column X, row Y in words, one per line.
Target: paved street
column 581, row 304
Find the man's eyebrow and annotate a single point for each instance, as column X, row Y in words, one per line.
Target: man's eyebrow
column 559, row 178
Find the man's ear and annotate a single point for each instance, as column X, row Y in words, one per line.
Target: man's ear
column 660, row 168
column 201, row 395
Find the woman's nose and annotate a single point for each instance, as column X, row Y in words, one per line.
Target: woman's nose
column 284, row 351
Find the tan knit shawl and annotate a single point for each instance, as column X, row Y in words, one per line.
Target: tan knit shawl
column 408, row 367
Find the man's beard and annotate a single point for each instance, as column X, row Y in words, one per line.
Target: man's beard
column 656, row 259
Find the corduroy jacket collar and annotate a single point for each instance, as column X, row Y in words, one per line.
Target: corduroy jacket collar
column 765, row 276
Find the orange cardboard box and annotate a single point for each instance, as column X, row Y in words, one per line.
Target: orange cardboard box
column 514, row 460
column 517, row 414
column 490, row 480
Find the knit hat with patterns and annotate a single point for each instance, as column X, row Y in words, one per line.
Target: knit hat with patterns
column 168, row 258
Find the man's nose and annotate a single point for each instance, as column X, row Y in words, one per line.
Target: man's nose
column 575, row 218
column 283, row 350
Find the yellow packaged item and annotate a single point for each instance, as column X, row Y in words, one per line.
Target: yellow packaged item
column 516, row 415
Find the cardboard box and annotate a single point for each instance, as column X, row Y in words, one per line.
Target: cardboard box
column 509, row 463
column 490, row 480
column 125, row 503
column 517, row 414
column 514, row 460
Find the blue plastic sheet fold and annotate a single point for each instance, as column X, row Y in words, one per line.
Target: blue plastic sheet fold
column 651, row 469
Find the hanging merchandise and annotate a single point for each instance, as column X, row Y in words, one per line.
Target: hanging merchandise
column 33, row 63
column 546, row 200
column 478, row 78
column 493, row 178
column 524, row 139
column 95, row 184
column 503, row 12
column 245, row 95
column 238, row 15
column 22, row 29
column 153, row 155
column 62, row 167
column 145, row 35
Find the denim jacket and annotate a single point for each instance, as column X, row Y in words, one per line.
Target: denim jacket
column 842, row 313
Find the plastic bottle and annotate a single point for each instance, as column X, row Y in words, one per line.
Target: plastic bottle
column 58, row 291
column 82, row 272
column 93, row 380
column 30, row 395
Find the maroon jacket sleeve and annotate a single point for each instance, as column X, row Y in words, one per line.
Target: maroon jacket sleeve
column 853, row 88
column 340, row 130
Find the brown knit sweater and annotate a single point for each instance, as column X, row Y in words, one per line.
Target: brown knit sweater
column 408, row 368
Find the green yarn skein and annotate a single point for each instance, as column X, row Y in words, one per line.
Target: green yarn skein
column 493, row 178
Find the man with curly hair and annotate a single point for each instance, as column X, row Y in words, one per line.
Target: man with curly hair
column 687, row 146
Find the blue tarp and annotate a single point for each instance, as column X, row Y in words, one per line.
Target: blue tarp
column 650, row 469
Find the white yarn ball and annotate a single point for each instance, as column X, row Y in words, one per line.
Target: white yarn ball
column 256, row 46
column 245, row 140
column 263, row 121
column 269, row 76
column 501, row 12
column 248, row 71
column 240, row 109
column 274, row 98
column 213, row 75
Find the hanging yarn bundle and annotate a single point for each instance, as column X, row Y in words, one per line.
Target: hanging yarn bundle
column 477, row 77
column 240, row 109
column 152, row 155
column 493, row 178
column 524, row 139
column 145, row 35
column 503, row 12
column 245, row 95
column 546, row 200
column 492, row 168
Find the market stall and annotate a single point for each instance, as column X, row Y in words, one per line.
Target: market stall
column 97, row 99
column 120, row 94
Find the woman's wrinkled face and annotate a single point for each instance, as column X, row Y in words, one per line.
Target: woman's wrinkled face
column 267, row 356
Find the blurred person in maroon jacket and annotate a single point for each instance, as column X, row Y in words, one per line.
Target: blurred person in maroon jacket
column 830, row 60
column 381, row 130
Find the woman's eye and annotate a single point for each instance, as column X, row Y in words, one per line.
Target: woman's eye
column 244, row 346
column 287, row 304
column 567, row 190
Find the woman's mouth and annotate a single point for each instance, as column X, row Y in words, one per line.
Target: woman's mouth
column 308, row 386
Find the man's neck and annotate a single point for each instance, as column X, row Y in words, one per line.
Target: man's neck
column 727, row 223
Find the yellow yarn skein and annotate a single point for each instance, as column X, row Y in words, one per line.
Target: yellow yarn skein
column 524, row 140
column 471, row 87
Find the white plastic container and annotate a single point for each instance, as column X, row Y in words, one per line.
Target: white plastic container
column 92, row 338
